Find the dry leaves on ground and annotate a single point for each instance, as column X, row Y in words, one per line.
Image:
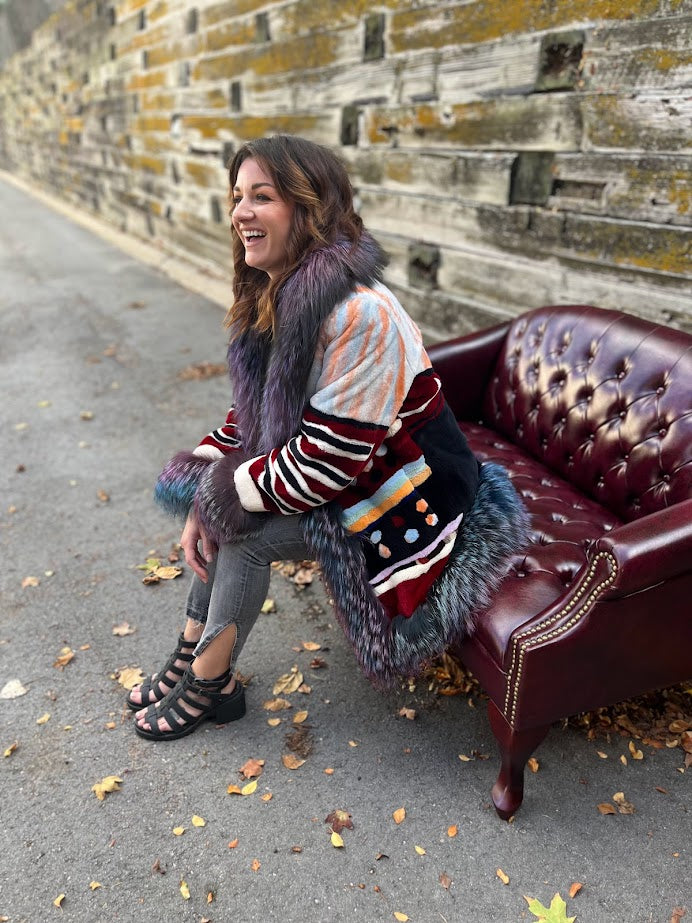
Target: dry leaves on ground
column 105, row 786
column 123, row 629
column 556, row 913
column 252, row 768
column 13, row 689
column 64, row 657
column 288, row 682
column 338, row 820
column 129, row 677
column 200, row 371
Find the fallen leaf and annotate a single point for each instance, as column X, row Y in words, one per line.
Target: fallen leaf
column 273, row 722
column 178, row 831
column 252, row 767
column 210, row 897
column 129, row 677
column 250, row 788
column 353, row 743
column 678, row 914
column 575, row 888
column 338, row 820
column 556, row 913
column 296, row 849
column 300, row 740
column 606, row 808
column 399, row 815
column 94, row 885
column 199, row 371
column 12, row 689
column 533, row 764
column 58, row 900
column 291, row 762
column 43, row 719
column 110, row 725
column 233, row 843
column 336, row 840
column 123, row 629
column 624, row 806
column 445, row 881
column 453, row 830
column 299, row 717
column 311, row 645
column 277, row 704
column 419, row 850
column 464, row 758
column 303, row 577
column 663, row 791
column 106, row 785
column 168, row 572
column 603, row 756
column 623, row 759
column 65, row 656
column 30, row 581
column 504, row 878
column 267, row 796
column 198, row 821
column 184, row 890
column 288, row 682
column 21, row 426
column 636, row 754
column 11, row 749
column 409, row 713
column 233, row 789
column 305, row 689
column 255, row 865
column 401, row 917
column 43, row 404
column 268, row 606
column 86, row 415
column 103, row 496
column 329, row 771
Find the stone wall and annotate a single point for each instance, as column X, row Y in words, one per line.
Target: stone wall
column 507, row 154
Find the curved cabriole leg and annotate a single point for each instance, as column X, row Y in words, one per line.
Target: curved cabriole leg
column 515, row 749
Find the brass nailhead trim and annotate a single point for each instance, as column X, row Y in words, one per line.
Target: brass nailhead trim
column 520, row 646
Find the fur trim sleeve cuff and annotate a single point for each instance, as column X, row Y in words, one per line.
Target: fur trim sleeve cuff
column 175, row 488
column 248, row 493
column 218, row 505
column 210, row 452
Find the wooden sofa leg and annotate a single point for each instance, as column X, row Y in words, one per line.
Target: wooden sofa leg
column 515, row 749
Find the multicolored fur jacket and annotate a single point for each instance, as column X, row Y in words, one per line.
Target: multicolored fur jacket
column 341, row 419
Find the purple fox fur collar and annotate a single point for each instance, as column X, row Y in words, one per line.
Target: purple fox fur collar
column 269, row 379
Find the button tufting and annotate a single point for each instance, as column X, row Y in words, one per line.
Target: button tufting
column 622, row 414
column 660, row 389
column 621, row 374
column 666, row 478
column 662, row 432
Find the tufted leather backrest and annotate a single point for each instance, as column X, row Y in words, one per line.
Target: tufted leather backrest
column 602, row 398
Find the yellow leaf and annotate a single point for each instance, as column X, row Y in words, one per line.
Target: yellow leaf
column 94, row 885
column 273, row 722
column 255, row 865
column 533, row 764
column 268, row 606
column 399, row 815
column 198, row 821
column 337, row 840
column 502, row 876
column 267, row 797
column 288, row 682
column 464, row 758
column 43, row 719
column 277, row 705
column 106, row 785
column 419, row 850
column 168, row 573
column 110, row 725
column 623, row 759
column 353, row 743
column 30, row 581
column 66, row 655
column 233, row 843
column 123, row 629
column 603, row 756
column 58, row 900
column 636, row 754
column 401, row 917
column 129, row 677
column 311, row 645
column 210, row 897
column 299, row 717
column 11, row 749
column 249, row 788
column 184, row 890
column 291, row 762
column 234, row 789
column 453, row 830
column 178, row 831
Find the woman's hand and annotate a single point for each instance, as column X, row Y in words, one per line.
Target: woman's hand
column 193, row 533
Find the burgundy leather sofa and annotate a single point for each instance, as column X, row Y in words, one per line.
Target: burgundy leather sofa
column 591, row 413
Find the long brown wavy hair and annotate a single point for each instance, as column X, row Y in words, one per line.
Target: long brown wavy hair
column 312, row 178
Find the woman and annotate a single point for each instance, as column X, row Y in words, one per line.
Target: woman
column 339, row 447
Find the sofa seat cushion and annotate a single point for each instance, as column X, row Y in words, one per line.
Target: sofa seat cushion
column 563, row 524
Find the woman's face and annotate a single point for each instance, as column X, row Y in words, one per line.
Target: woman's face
column 261, row 218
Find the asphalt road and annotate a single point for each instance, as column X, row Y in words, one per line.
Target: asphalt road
column 91, row 347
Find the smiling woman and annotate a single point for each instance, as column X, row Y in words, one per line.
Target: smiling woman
column 340, row 448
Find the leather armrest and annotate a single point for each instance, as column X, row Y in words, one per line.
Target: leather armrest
column 649, row 550
column 465, row 366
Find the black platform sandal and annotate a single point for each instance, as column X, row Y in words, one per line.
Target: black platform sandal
column 219, row 706
column 153, row 683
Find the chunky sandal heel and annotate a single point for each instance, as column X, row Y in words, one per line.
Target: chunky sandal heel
column 219, row 706
column 153, row 684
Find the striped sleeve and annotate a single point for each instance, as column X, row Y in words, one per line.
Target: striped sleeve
column 364, row 380
column 221, row 441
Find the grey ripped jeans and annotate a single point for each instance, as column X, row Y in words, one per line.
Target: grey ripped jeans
column 239, row 580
